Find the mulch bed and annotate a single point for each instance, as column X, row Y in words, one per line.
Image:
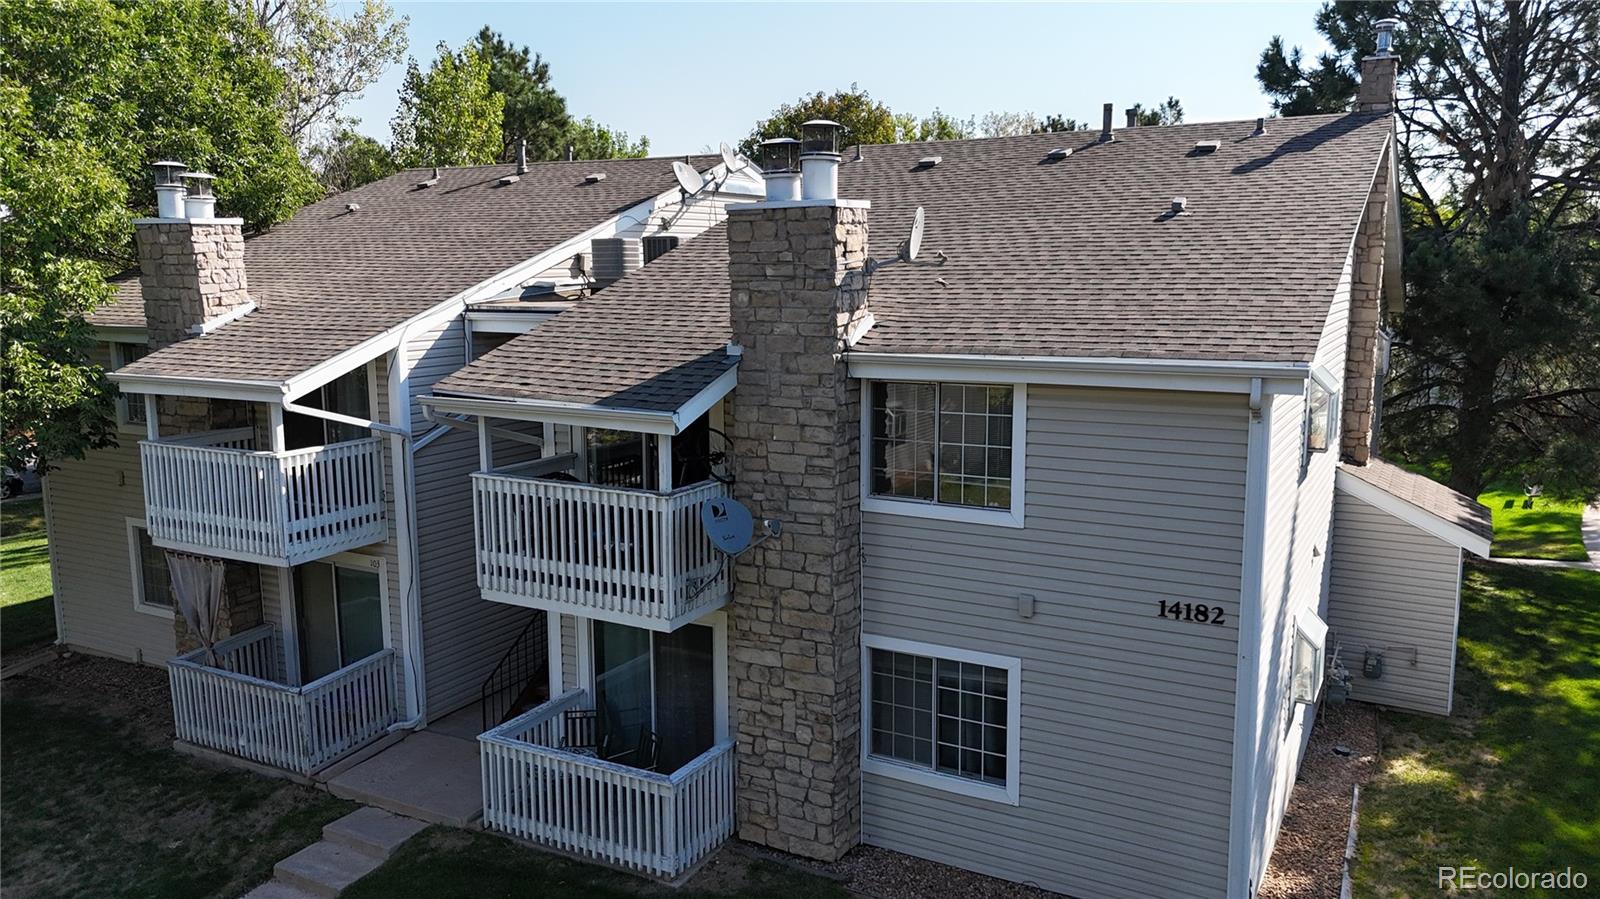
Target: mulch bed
column 884, row 874
column 137, row 692
column 1308, row 862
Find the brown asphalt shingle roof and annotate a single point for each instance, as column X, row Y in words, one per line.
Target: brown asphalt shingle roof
column 1077, row 257
column 1426, row 494
column 328, row 279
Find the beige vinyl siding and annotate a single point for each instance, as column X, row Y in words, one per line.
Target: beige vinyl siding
column 1127, row 718
column 569, row 652
column 463, row 635
column 1398, row 586
column 1295, row 542
column 88, row 503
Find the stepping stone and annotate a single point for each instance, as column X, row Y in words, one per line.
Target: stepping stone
column 372, row 831
column 325, row 869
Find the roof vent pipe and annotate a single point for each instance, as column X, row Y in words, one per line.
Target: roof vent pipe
column 1132, row 113
column 819, row 159
column 1105, row 123
column 199, row 201
column 522, row 156
column 1261, row 125
column 169, row 188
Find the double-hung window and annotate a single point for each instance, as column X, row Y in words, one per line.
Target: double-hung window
column 1308, row 659
column 130, row 406
column 945, row 450
column 942, row 717
column 152, row 582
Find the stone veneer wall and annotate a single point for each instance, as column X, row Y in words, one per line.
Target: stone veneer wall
column 794, row 623
column 1366, row 312
column 190, row 273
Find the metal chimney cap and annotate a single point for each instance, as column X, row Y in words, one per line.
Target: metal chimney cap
column 199, row 184
column 1386, row 29
column 168, row 173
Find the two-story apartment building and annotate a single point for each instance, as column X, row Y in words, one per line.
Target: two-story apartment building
column 1062, row 506
column 272, row 433
column 1042, row 584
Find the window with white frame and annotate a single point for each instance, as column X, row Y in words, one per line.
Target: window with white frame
column 130, row 406
column 943, row 717
column 1308, row 658
column 1322, row 411
column 152, row 582
column 936, row 444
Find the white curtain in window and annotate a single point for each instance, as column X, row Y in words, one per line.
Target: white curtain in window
column 197, row 587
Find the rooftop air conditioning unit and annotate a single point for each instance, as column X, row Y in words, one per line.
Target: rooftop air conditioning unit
column 615, row 257
column 658, row 245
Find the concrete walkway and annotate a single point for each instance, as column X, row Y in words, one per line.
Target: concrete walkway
column 430, row 776
column 1591, row 542
column 351, row 848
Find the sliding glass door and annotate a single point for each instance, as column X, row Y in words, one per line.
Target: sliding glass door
column 340, row 614
column 653, row 685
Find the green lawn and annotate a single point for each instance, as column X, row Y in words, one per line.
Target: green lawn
column 27, row 611
column 98, row 804
column 1552, row 529
column 441, row 863
column 1512, row 778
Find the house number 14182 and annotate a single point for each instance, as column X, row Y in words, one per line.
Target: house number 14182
column 1189, row 611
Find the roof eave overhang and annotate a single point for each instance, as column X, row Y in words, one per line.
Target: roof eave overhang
column 213, row 388
column 1412, row 514
column 586, row 415
column 1085, row 371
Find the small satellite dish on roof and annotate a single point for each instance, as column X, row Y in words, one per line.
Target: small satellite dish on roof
column 731, row 159
column 688, row 178
column 913, row 244
column 728, row 523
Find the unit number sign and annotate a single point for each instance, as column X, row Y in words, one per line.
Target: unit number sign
column 1191, row 611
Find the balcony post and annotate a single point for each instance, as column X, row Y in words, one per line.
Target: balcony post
column 664, row 463
column 485, row 445
column 275, row 427
column 152, row 418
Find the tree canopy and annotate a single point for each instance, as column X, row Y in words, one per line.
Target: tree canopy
column 1497, row 363
column 350, row 159
column 91, row 92
column 448, row 115
column 534, row 111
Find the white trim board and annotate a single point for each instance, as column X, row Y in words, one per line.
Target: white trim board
column 1416, row 516
column 1072, row 371
column 1010, row 794
column 586, row 414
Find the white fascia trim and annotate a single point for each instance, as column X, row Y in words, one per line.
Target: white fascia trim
column 177, row 385
column 508, row 322
column 580, row 414
column 1083, row 371
column 1416, row 516
column 1247, row 693
column 121, row 333
column 709, row 396
column 1010, row 794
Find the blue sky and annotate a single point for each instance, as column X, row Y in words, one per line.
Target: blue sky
column 692, row 74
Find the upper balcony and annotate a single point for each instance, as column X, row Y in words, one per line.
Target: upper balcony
column 211, row 493
column 628, row 555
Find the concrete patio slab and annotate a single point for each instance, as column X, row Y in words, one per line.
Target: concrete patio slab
column 427, row 776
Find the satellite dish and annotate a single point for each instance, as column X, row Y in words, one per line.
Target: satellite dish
column 688, row 178
column 731, row 159
column 914, row 242
column 728, row 523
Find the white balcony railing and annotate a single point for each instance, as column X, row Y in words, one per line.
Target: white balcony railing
column 660, row 824
column 630, row 556
column 242, row 709
column 208, row 493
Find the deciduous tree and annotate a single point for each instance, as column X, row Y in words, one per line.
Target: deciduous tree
column 448, row 115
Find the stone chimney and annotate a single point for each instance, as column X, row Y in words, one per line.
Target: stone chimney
column 1380, row 73
column 1361, row 386
column 797, row 272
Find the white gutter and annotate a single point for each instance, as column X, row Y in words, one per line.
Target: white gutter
column 581, row 414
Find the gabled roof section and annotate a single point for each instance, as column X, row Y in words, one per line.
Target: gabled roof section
column 330, row 278
column 1422, row 502
column 652, row 342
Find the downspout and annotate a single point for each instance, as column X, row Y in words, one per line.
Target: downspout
column 1247, row 687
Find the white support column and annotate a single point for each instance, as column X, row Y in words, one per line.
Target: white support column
column 485, row 445
column 152, row 418
column 290, row 617
column 275, row 427
column 552, row 628
column 580, row 447
column 549, row 448
column 664, row 463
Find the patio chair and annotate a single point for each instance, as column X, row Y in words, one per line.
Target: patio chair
column 579, row 729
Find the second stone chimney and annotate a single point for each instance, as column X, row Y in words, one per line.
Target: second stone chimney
column 798, row 291
column 1380, row 73
column 191, row 270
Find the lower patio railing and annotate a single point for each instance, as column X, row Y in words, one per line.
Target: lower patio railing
column 661, row 824
column 239, row 706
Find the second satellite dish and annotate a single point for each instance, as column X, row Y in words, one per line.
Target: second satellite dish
column 728, row 523
column 688, row 178
column 730, row 159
